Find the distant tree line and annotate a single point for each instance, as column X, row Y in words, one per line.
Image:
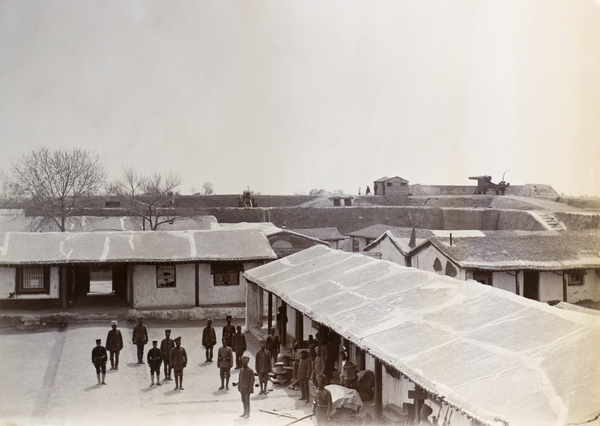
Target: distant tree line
column 57, row 184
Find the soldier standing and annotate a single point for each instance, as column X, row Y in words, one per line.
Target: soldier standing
column 140, row 338
column 178, row 361
column 154, row 360
column 114, row 344
column 166, row 345
column 263, row 367
column 224, row 363
column 228, row 331
column 239, row 346
column 246, row 385
column 209, row 339
column 99, row 359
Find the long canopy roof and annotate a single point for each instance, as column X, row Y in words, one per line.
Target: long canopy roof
column 493, row 355
column 22, row 248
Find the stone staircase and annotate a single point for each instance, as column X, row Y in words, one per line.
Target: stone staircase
column 549, row 221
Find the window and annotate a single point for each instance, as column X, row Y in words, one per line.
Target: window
column 388, row 184
column 575, row 277
column 165, row 276
column 33, row 280
column 484, row 277
column 227, row 273
column 355, row 245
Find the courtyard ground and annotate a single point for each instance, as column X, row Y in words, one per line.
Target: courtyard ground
column 47, row 378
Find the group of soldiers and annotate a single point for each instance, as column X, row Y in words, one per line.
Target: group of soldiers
column 174, row 358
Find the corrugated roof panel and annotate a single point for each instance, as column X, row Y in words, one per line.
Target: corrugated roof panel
column 494, row 355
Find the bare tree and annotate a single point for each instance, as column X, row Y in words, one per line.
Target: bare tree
column 208, row 188
column 55, row 184
column 152, row 198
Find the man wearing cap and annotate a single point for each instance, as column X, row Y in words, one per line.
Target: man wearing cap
column 140, row 338
column 209, row 339
column 178, row 360
column 228, row 331
column 99, row 359
column 239, row 346
column 166, row 346
column 224, row 363
column 114, row 344
column 154, row 360
column 303, row 374
column 246, row 385
column 263, row 367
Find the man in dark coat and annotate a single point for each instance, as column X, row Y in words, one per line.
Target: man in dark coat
column 99, row 358
column 166, row 345
column 154, row 360
column 178, row 360
column 209, row 339
column 114, row 344
column 263, row 367
column 228, row 331
column 140, row 338
column 239, row 346
column 246, row 385
column 224, row 363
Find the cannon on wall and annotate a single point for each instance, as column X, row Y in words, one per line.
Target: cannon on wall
column 485, row 184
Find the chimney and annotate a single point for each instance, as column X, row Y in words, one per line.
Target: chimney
column 413, row 239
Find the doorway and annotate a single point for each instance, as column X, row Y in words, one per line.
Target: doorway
column 531, row 285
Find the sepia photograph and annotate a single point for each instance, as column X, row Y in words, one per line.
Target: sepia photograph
column 286, row 212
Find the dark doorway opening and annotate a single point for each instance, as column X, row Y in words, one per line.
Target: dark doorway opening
column 531, row 285
column 102, row 285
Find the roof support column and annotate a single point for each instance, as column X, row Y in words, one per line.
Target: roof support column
column 64, row 282
column 299, row 327
column 378, row 392
column 270, row 313
column 197, row 282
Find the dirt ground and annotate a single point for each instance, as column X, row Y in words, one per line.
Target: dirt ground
column 48, row 378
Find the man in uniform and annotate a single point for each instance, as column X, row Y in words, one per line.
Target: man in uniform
column 323, row 402
column 178, row 361
column 263, row 367
column 224, row 363
column 209, row 339
column 239, row 346
column 114, row 344
column 228, row 331
column 140, row 338
column 99, row 359
column 166, row 345
column 154, row 360
column 246, row 385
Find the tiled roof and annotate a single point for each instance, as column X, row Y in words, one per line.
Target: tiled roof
column 134, row 246
column 495, row 356
column 514, row 250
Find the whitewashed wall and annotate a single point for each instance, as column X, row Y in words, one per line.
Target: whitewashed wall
column 8, row 284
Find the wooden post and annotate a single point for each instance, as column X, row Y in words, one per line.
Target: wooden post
column 419, row 396
column 197, row 281
column 284, row 323
column 63, row 283
column 270, row 313
column 299, row 327
column 378, row 392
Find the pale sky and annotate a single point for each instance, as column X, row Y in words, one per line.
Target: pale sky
column 285, row 96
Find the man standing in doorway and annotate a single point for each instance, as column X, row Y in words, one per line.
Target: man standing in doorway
column 114, row 344
column 178, row 361
column 140, row 338
column 99, row 359
column 166, row 346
